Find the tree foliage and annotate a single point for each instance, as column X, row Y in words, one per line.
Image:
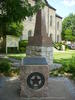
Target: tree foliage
column 17, row 10
column 12, row 12
column 14, row 29
column 68, row 34
column 68, row 28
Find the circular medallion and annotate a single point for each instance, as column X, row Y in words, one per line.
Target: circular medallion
column 35, row 80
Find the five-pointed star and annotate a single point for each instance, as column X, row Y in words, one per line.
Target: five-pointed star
column 36, row 80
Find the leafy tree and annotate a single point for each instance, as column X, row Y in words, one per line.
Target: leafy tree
column 68, row 34
column 16, row 11
column 12, row 12
column 14, row 29
column 68, row 28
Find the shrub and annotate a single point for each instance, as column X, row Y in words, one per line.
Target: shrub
column 69, row 66
column 13, row 50
column 2, row 50
column 67, row 47
column 72, row 65
column 12, row 73
column 58, row 45
column 22, row 46
column 5, row 67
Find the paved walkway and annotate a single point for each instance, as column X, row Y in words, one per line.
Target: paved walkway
column 3, row 56
column 15, row 62
column 59, row 89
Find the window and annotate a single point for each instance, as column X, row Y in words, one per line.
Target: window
column 58, row 25
column 51, row 35
column 57, row 38
column 51, row 20
column 29, row 33
column 30, row 18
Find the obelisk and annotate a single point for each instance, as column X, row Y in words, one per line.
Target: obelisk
column 40, row 44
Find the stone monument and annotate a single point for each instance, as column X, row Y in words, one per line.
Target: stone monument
column 40, row 44
column 35, row 67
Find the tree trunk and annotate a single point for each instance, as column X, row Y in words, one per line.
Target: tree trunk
column 3, row 45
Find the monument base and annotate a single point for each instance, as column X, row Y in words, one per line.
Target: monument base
column 46, row 52
column 34, row 78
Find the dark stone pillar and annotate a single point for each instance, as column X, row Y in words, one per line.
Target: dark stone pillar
column 40, row 37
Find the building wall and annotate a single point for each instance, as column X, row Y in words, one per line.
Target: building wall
column 58, row 29
column 29, row 25
column 52, row 23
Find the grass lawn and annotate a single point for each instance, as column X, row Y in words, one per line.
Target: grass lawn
column 63, row 56
column 17, row 56
column 67, row 59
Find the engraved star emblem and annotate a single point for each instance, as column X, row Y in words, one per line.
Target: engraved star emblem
column 36, row 80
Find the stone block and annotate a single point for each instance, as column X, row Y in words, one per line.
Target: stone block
column 28, row 52
column 49, row 48
column 29, row 89
column 46, row 52
column 44, row 49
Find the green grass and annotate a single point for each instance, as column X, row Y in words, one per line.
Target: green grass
column 65, row 56
column 17, row 56
column 67, row 59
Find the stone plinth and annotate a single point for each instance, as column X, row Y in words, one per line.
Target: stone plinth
column 37, row 66
column 43, row 51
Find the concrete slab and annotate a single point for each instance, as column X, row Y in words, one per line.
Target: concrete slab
column 59, row 89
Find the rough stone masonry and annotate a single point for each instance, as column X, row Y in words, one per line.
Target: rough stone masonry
column 34, row 76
